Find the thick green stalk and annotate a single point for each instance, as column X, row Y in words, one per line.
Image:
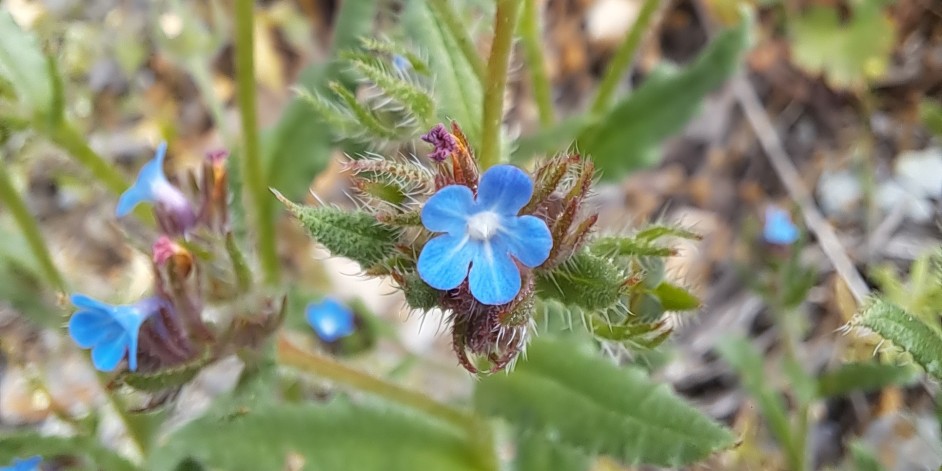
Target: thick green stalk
column 325, row 367
column 71, row 140
column 17, row 207
column 623, row 56
column 504, row 22
column 253, row 172
column 532, row 45
column 446, row 14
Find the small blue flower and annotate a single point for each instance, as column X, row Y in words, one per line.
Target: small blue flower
column 28, row 464
column 330, row 319
column 110, row 331
column 401, row 64
column 152, row 186
column 485, row 234
column 779, row 228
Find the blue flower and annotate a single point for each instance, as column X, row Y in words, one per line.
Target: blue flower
column 330, row 319
column 779, row 228
column 110, row 331
column 152, row 186
column 28, row 464
column 484, row 233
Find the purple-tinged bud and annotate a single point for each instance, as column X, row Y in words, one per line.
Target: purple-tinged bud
column 215, row 191
column 443, row 142
column 173, row 210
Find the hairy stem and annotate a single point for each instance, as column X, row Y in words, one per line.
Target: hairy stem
column 290, row 355
column 505, row 19
column 253, row 171
column 531, row 32
column 443, row 11
column 623, row 56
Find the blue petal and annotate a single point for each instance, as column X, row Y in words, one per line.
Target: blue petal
column 143, row 188
column 779, row 228
column 527, row 238
column 28, row 464
column 444, row 260
column 494, row 277
column 330, row 319
column 448, row 210
column 131, row 317
column 84, row 302
column 504, row 189
column 90, row 328
column 107, row 354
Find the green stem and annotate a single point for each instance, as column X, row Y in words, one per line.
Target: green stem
column 530, row 31
column 505, row 19
column 67, row 137
column 446, row 15
column 30, row 228
column 253, row 171
column 623, row 56
column 136, row 435
column 290, row 355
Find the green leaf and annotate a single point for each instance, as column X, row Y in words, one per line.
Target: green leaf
column 931, row 115
column 298, row 147
column 548, row 141
column 848, row 53
column 585, row 280
column 88, row 451
column 863, row 457
column 356, row 235
column 536, row 452
column 675, row 298
column 905, row 331
column 747, row 361
column 24, row 65
column 628, row 136
column 591, row 404
column 870, row 376
column 168, row 378
column 459, row 94
column 331, row 436
column 628, row 247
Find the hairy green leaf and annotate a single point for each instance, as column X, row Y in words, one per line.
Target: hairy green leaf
column 416, row 100
column 585, row 280
column 88, row 452
column 536, row 452
column 626, row 139
column 337, row 435
column 24, row 66
column 459, row 94
column 593, row 405
column 629, row 247
column 905, row 331
column 864, row 377
column 548, row 141
column 675, row 298
column 168, row 378
column 356, row 235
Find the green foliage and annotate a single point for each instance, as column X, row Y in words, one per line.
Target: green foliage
column 536, row 452
column 587, row 281
column 552, row 139
column 419, row 295
column 864, row 377
column 336, row 435
column 906, row 331
column 458, row 92
column 590, row 404
column 298, row 147
column 88, row 453
column 675, row 298
column 628, row 136
column 166, row 378
column 25, row 68
column 931, row 115
column 848, row 53
column 356, row 235
column 863, row 457
column 748, row 363
column 416, row 101
column 629, row 247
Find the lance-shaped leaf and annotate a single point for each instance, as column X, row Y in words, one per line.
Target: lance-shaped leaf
column 87, row 452
column 24, row 66
column 905, row 331
column 536, row 452
column 337, row 435
column 627, row 138
column 675, row 298
column 869, row 376
column 589, row 403
column 354, row 234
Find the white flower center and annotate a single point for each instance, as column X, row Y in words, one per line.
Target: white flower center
column 483, row 225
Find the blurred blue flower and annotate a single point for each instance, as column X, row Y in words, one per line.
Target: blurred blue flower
column 152, row 186
column 330, row 319
column 484, row 233
column 28, row 464
column 401, row 63
column 779, row 228
column 110, row 331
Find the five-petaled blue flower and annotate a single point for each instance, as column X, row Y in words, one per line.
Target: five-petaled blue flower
column 28, row 464
column 330, row 319
column 779, row 228
column 484, row 233
column 110, row 331
column 152, row 185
